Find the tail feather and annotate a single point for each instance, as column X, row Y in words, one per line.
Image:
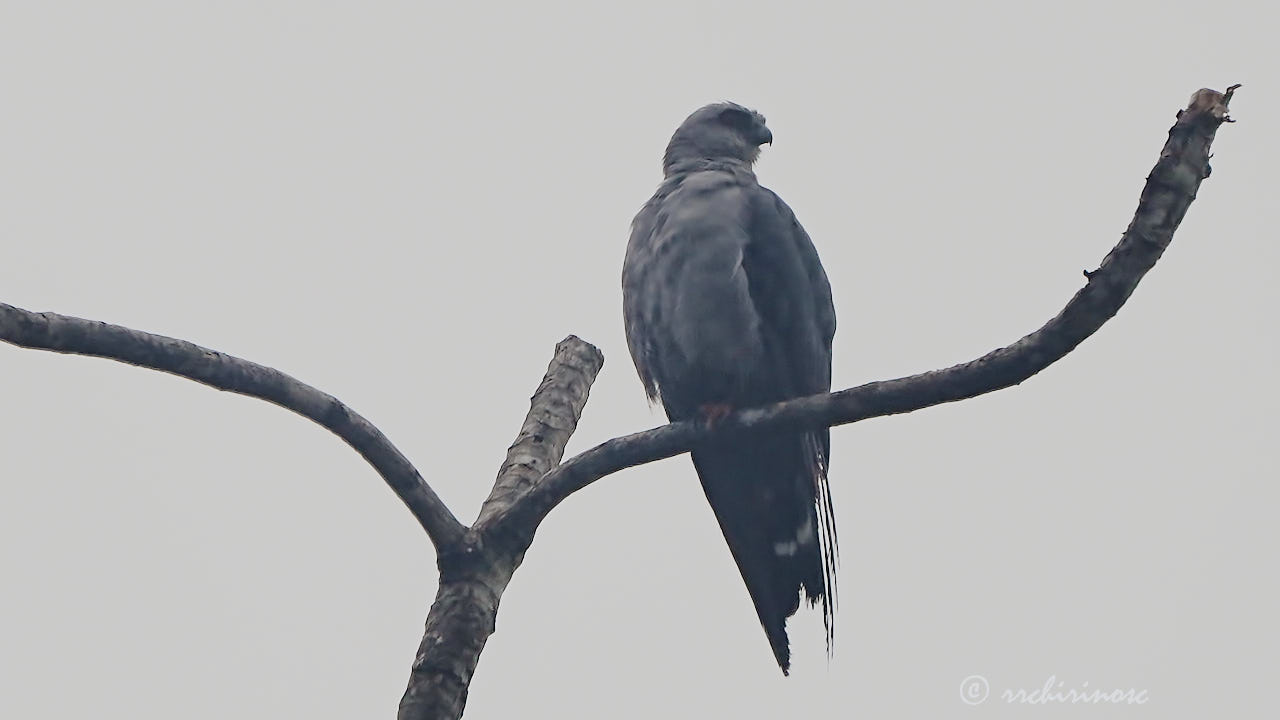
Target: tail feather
column 770, row 495
column 820, row 447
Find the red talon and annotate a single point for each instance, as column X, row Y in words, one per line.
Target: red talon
column 713, row 413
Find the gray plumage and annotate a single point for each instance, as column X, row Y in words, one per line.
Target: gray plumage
column 726, row 304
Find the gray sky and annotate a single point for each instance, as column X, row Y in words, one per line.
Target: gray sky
column 408, row 205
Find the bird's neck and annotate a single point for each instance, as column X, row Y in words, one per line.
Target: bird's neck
column 677, row 167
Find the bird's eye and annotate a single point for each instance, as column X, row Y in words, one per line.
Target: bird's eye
column 737, row 119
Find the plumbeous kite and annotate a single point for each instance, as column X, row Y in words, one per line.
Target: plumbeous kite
column 727, row 306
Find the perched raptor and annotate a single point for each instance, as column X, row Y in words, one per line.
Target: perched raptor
column 727, row 306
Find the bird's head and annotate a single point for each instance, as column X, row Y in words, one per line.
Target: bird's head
column 720, row 131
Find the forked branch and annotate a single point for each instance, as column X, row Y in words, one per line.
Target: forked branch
column 476, row 563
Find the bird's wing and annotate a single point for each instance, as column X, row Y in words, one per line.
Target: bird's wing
column 692, row 326
column 637, row 302
column 791, row 294
column 809, row 343
column 770, row 491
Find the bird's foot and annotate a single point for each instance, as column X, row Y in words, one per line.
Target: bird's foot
column 713, row 413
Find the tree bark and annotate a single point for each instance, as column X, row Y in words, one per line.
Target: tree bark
column 477, row 563
column 475, row 572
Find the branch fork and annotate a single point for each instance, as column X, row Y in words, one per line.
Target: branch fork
column 476, row 563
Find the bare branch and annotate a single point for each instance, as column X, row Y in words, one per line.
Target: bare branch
column 1169, row 190
column 477, row 563
column 59, row 333
column 554, row 411
column 475, row 572
column 459, row 624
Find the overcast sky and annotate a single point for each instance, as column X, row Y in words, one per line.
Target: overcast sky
column 408, row 204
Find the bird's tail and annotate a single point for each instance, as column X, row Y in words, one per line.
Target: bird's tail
column 770, row 495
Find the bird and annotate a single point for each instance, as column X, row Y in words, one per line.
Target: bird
column 726, row 305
